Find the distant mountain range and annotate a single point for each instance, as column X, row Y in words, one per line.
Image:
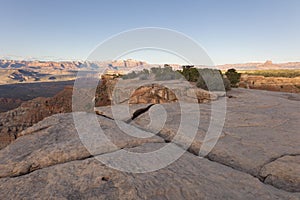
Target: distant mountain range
column 69, row 65
column 267, row 65
column 129, row 64
column 13, row 71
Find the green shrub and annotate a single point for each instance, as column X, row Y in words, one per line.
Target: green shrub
column 227, row 84
column 130, row 75
column 212, row 79
column 165, row 73
column 233, row 76
column 190, row 73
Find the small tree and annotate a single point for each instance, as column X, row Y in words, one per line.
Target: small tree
column 213, row 80
column 130, row 75
column 233, row 76
column 190, row 73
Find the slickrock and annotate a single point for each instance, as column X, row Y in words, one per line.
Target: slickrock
column 55, row 140
column 190, row 177
column 283, row 173
column 260, row 126
column 256, row 156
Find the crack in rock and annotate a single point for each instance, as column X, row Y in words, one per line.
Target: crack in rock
column 139, row 112
column 282, row 172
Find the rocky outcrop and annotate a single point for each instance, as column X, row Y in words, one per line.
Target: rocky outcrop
column 158, row 94
column 33, row 111
column 150, row 91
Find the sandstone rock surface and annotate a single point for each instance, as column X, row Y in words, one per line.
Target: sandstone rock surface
column 283, row 173
column 256, row 156
column 260, row 127
column 33, row 111
column 190, row 177
column 133, row 91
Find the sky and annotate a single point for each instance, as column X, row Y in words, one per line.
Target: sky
column 231, row 31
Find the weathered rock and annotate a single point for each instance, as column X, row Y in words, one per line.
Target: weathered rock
column 256, row 157
column 283, row 173
column 33, row 111
column 260, row 126
column 151, row 91
column 152, row 94
column 55, row 140
column 190, row 177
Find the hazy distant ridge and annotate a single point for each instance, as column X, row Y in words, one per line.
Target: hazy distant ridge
column 130, row 63
column 267, row 65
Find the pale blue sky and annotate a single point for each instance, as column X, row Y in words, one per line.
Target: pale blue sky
column 231, row 31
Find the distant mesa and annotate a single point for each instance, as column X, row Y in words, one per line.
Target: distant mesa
column 128, row 63
column 268, row 62
column 266, row 65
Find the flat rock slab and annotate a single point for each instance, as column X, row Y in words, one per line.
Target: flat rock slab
column 55, row 140
column 190, row 177
column 283, row 173
column 260, row 126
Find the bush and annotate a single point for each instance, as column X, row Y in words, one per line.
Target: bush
column 130, row 75
column 165, row 73
column 227, row 84
column 190, row 73
column 212, row 79
column 233, row 77
column 144, row 77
